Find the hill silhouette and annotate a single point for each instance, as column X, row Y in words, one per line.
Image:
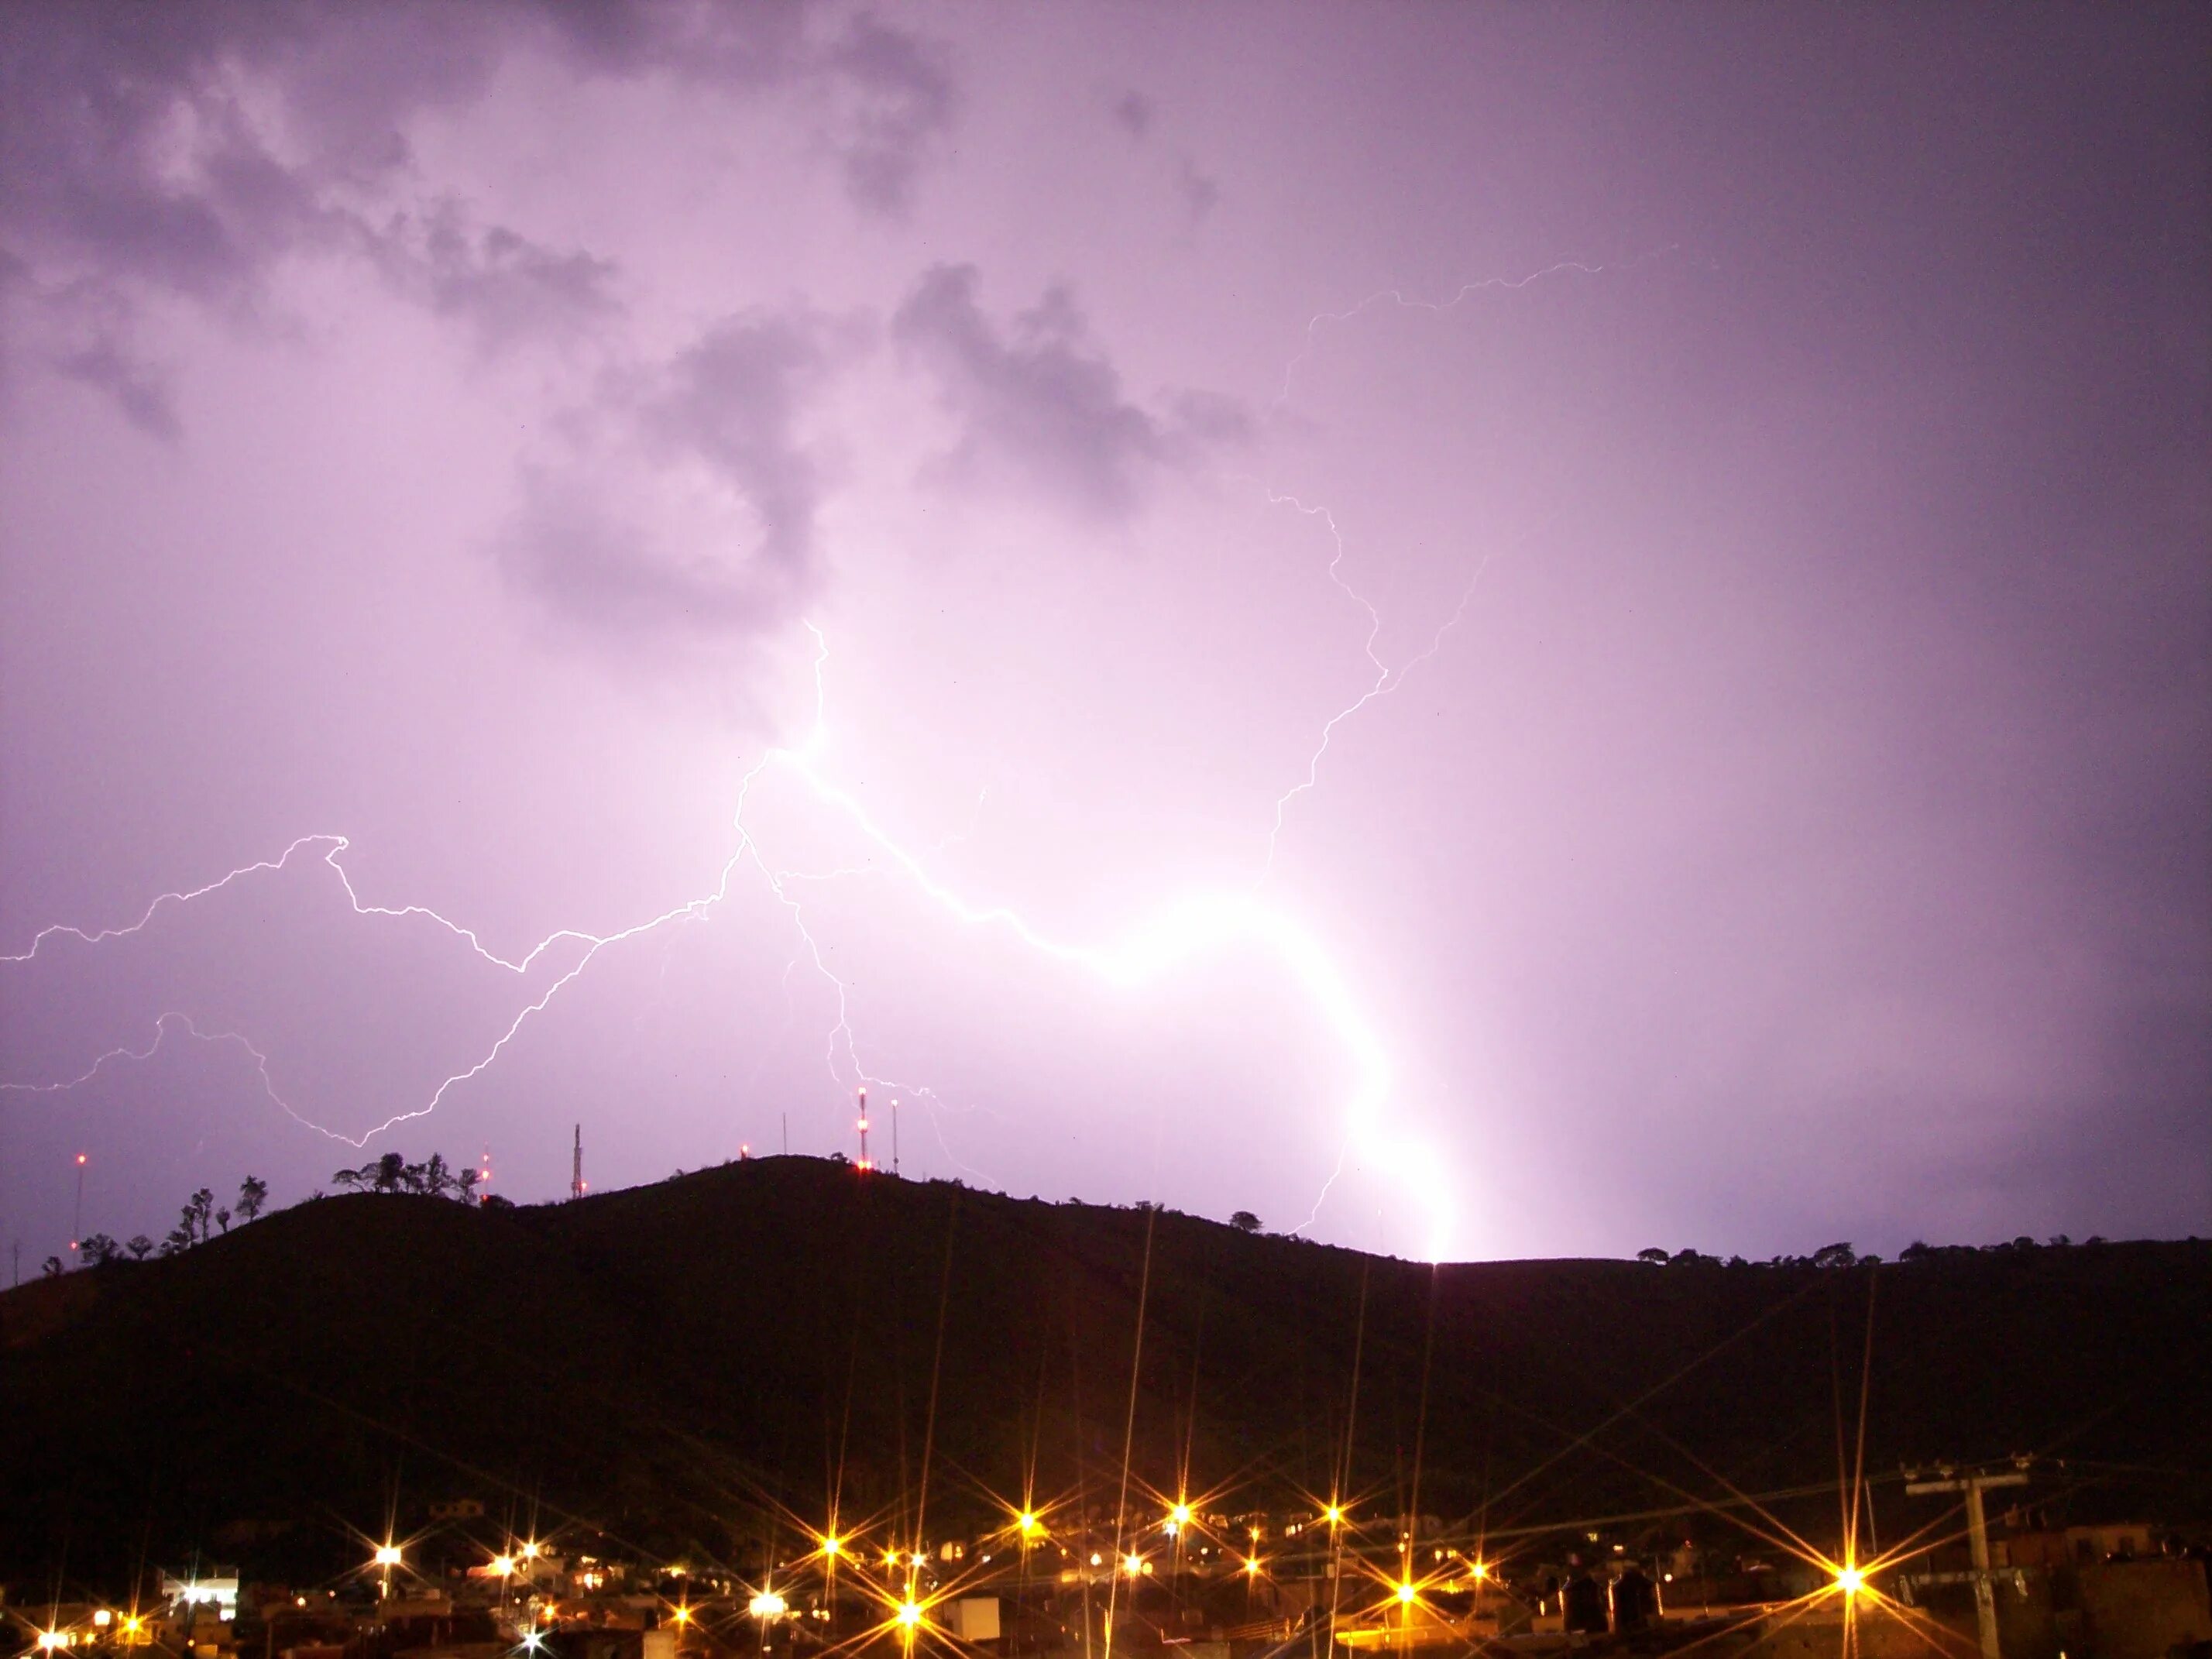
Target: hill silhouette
column 678, row 1365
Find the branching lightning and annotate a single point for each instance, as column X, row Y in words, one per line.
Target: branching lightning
column 1397, row 297
column 1180, row 930
column 1387, row 679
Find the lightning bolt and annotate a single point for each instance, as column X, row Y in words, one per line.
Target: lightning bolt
column 1387, row 679
column 1184, row 929
column 1397, row 297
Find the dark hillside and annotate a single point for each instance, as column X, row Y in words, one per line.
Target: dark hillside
column 664, row 1361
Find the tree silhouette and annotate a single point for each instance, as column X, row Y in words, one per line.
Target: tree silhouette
column 1245, row 1222
column 252, row 1194
column 100, row 1250
column 140, row 1247
column 392, row 1173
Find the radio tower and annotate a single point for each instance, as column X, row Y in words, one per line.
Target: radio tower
column 77, row 1219
column 484, row 1174
column 577, row 1173
column 865, row 1164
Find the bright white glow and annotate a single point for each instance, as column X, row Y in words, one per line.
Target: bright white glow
column 766, row 1605
column 1182, row 928
column 387, row 1555
column 1849, row 1580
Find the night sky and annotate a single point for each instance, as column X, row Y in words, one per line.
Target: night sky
column 1483, row 630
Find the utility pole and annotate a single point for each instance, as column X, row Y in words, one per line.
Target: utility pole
column 1978, row 1544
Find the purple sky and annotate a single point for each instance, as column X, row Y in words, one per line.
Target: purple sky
column 1771, row 443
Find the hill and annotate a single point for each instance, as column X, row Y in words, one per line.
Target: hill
column 680, row 1364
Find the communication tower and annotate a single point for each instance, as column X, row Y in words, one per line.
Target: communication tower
column 864, row 1164
column 576, row 1170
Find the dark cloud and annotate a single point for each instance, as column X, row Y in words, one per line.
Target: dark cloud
column 140, row 390
column 1200, row 194
column 81, row 332
column 1132, row 113
column 499, row 283
column 138, row 146
column 1040, row 400
column 895, row 96
column 731, row 402
column 601, row 574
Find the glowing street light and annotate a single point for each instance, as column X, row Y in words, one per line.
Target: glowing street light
column 1028, row 1524
column 767, row 1605
column 1849, row 1580
column 502, row 1567
column 1252, row 1566
column 52, row 1641
column 1407, row 1593
column 1180, row 1514
column 831, row 1544
column 1334, row 1515
column 529, row 1550
column 387, row 1555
